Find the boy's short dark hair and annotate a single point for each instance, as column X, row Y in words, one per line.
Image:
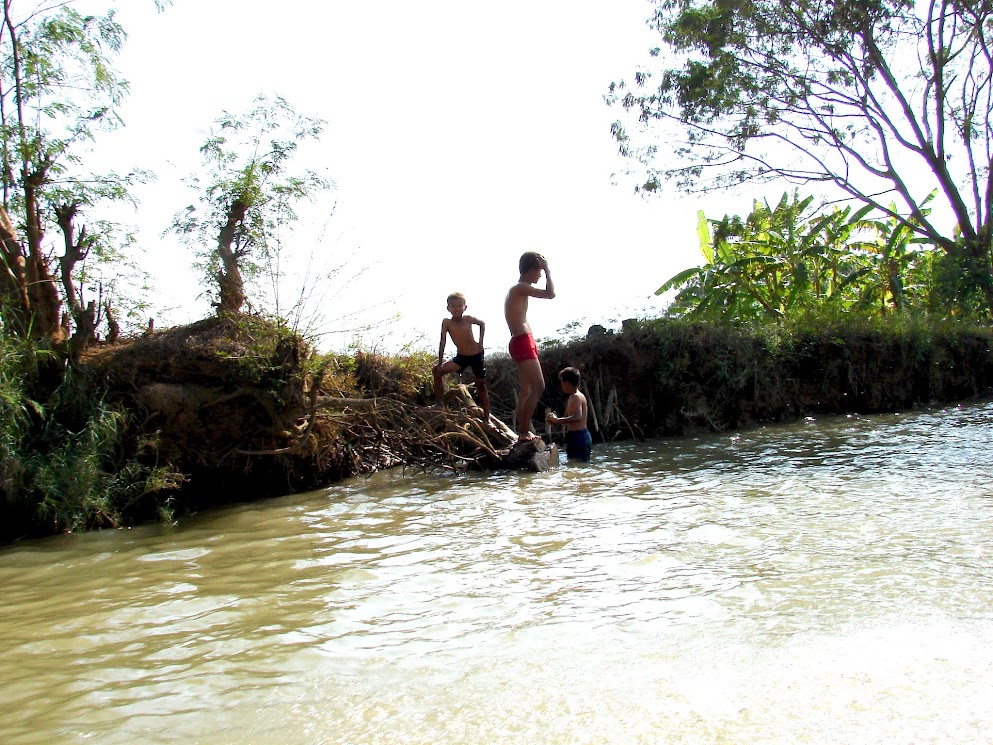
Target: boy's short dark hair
column 530, row 260
column 569, row 375
column 455, row 296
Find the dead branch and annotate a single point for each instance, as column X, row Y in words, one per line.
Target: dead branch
column 385, row 431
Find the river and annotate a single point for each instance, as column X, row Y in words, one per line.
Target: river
column 825, row 581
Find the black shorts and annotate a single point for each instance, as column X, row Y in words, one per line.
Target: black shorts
column 475, row 361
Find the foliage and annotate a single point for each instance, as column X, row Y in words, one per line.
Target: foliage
column 247, row 196
column 954, row 286
column 888, row 101
column 78, row 477
column 570, row 331
column 257, row 345
column 785, row 261
column 406, row 375
column 677, row 376
column 269, row 355
column 17, row 408
column 57, row 89
column 73, row 463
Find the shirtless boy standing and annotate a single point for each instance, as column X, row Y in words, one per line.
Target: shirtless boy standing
column 469, row 352
column 523, row 349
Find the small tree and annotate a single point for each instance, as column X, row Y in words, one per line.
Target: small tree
column 247, row 195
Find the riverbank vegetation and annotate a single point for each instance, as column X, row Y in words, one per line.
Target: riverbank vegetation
column 233, row 407
column 797, row 309
column 673, row 377
column 236, row 408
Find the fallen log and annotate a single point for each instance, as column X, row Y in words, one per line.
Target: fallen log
column 531, row 455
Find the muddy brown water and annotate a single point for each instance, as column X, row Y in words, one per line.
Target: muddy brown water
column 825, row 581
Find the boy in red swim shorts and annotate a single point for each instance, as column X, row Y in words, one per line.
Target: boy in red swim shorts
column 523, row 349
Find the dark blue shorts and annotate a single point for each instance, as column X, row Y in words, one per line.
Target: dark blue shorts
column 475, row 361
column 578, row 444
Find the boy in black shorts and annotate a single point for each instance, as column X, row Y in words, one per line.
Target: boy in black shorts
column 469, row 351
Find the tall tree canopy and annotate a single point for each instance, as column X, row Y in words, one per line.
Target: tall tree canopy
column 888, row 100
column 57, row 89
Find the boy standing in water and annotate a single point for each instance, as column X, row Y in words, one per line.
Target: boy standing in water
column 578, row 443
column 523, row 349
column 469, row 352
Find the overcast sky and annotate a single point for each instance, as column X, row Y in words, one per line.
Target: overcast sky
column 459, row 135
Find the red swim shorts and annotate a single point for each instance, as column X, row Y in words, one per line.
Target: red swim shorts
column 522, row 347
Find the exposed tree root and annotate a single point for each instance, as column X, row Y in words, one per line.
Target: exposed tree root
column 384, row 432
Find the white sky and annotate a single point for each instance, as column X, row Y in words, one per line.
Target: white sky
column 459, row 136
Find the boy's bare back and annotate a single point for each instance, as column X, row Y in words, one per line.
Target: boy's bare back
column 515, row 309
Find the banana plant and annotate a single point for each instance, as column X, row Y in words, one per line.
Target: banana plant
column 778, row 262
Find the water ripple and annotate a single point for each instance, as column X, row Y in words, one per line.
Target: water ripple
column 825, row 581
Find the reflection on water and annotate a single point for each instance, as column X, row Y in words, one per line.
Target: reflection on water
column 827, row 581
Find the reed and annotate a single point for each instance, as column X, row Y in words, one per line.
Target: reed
column 69, row 459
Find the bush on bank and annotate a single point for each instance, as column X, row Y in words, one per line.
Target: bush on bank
column 176, row 421
column 68, row 458
column 673, row 377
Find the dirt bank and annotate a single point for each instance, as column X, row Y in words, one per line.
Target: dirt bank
column 238, row 408
column 657, row 379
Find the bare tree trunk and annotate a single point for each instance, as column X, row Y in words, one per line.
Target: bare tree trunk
column 229, row 279
column 113, row 327
column 27, row 287
column 84, row 318
column 13, row 277
column 44, row 307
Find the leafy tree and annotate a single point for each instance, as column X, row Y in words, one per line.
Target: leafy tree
column 888, row 100
column 247, row 196
column 57, row 89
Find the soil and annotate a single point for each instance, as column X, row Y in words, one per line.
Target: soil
column 243, row 410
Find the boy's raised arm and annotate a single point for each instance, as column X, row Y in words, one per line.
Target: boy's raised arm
column 548, row 292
